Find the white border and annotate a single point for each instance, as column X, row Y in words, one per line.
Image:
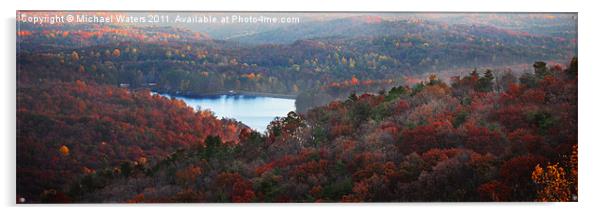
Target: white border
column 589, row 104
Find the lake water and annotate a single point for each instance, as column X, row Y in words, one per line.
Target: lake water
column 254, row 111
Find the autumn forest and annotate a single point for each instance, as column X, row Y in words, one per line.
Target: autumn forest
column 388, row 108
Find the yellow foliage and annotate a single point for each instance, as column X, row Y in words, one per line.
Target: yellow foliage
column 556, row 188
column 557, row 183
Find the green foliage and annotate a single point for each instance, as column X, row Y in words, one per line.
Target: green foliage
column 572, row 70
column 543, row 120
column 460, row 118
column 395, row 93
column 360, row 111
column 485, row 83
column 213, row 146
column 338, row 188
column 126, row 169
column 269, row 187
column 541, row 70
column 352, row 97
column 417, row 88
column 319, row 136
column 529, row 80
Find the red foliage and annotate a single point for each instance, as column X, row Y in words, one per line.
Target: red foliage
column 422, row 138
column 103, row 127
column 483, row 140
column 235, row 187
column 401, row 106
column 494, row 191
column 523, row 141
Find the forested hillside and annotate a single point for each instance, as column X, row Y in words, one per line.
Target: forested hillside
column 429, row 142
column 182, row 62
column 69, row 129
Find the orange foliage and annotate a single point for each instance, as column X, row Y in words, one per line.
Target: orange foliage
column 354, row 81
column 250, row 76
column 64, row 150
column 555, row 185
column 23, row 33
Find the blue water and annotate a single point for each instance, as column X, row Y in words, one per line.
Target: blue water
column 254, row 111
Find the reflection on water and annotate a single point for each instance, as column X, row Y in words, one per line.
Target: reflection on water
column 255, row 111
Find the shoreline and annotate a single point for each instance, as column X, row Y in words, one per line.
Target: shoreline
column 228, row 93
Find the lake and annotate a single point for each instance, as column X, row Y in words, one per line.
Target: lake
column 254, row 111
